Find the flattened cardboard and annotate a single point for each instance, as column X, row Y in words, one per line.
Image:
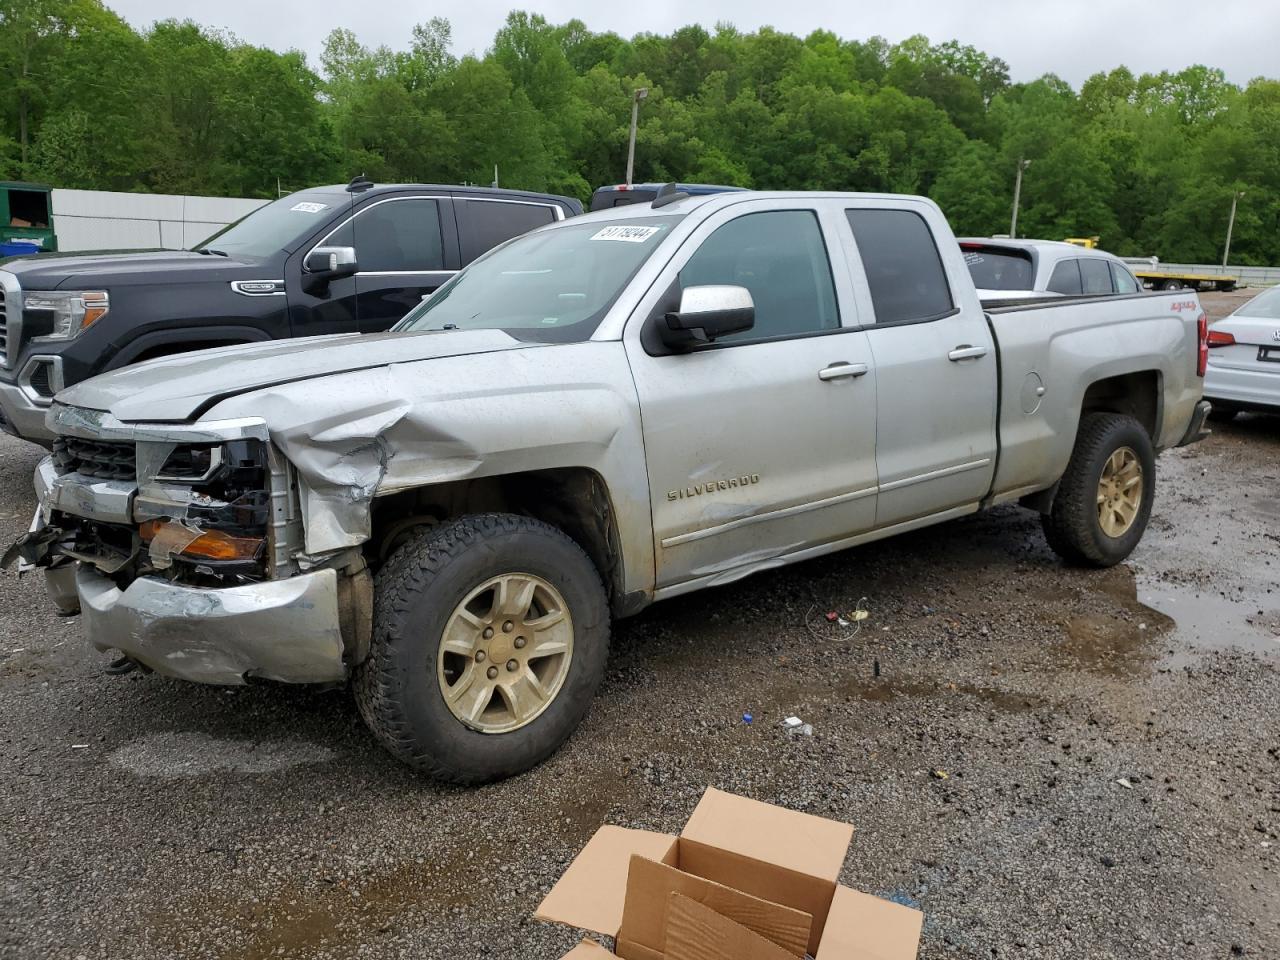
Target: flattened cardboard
column 592, row 891
column 650, row 885
column 795, row 841
column 863, row 927
column 696, row 932
column 588, row 950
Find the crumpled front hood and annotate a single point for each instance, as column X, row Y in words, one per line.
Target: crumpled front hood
column 179, row 388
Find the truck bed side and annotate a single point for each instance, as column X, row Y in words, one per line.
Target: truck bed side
column 1131, row 354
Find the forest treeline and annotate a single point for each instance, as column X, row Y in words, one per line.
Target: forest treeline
column 1149, row 163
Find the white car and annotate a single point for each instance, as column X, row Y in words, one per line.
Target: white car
column 1004, row 269
column 1244, row 359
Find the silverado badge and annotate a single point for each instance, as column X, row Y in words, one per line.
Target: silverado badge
column 711, row 486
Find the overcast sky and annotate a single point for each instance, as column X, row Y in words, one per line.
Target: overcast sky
column 1072, row 38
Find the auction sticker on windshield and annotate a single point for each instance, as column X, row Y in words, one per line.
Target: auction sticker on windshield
column 309, row 207
column 626, row 234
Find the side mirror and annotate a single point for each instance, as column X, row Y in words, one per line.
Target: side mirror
column 707, row 313
column 330, row 263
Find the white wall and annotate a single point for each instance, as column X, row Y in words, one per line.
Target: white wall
column 100, row 220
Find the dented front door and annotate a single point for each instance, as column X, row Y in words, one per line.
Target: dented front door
column 764, row 443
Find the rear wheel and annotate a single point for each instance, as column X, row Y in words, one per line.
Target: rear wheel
column 1171, row 285
column 1104, row 498
column 490, row 639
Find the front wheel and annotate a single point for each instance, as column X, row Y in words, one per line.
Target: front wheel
column 1221, row 413
column 1104, row 498
column 490, row 639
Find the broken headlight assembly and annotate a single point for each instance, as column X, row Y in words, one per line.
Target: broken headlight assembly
column 206, row 511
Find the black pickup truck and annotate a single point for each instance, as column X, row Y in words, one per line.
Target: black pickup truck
column 338, row 259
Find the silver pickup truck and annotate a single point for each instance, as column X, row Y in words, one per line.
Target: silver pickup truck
column 613, row 410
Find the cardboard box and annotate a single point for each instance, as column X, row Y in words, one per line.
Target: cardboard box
column 743, row 874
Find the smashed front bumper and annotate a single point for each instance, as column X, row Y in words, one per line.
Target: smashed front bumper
column 286, row 630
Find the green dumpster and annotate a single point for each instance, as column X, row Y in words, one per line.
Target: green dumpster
column 26, row 215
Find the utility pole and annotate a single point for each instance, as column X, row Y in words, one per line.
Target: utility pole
column 1017, row 197
column 636, row 97
column 1226, row 250
column 495, row 175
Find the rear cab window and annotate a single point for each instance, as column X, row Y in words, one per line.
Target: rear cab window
column 902, row 265
column 999, row 268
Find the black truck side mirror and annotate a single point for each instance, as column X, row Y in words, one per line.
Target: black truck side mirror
column 324, row 264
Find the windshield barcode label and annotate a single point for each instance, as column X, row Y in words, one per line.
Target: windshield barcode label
column 309, row 207
column 626, row 234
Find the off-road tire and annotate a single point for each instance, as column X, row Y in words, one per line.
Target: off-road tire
column 415, row 593
column 1221, row 413
column 1072, row 526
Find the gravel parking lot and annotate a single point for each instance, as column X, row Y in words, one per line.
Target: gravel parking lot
column 1051, row 762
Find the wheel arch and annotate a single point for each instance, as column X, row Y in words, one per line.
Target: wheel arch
column 576, row 500
column 1137, row 394
column 163, row 343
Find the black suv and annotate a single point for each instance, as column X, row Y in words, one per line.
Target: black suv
column 337, row 259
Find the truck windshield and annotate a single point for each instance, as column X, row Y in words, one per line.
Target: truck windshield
column 996, row 269
column 279, row 225
column 552, row 286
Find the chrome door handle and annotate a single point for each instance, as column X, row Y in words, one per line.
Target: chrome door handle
column 966, row 352
column 838, row 370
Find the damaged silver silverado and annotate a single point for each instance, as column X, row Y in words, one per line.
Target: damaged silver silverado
column 623, row 407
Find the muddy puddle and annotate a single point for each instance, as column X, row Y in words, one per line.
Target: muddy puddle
column 1116, row 645
column 885, row 691
column 1205, row 622
column 1166, row 624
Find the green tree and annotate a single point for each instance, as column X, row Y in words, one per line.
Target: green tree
column 1150, row 163
column 973, row 191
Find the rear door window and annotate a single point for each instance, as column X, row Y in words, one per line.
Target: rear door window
column 483, row 224
column 1095, row 275
column 902, row 265
column 1066, row 278
column 1124, row 280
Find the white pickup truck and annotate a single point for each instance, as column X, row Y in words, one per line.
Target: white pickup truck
column 623, row 407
